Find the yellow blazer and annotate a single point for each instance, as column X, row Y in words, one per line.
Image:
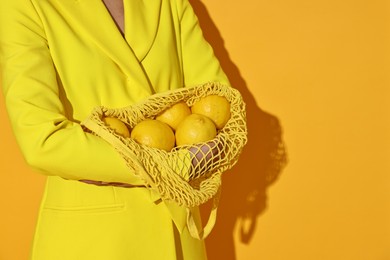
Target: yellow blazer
column 61, row 58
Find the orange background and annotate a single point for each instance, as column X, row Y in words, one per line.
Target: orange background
column 315, row 76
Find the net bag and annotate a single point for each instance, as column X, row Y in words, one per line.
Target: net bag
column 188, row 175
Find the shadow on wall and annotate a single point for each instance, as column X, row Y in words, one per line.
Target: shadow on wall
column 244, row 194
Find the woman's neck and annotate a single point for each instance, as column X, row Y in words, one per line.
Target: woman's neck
column 115, row 8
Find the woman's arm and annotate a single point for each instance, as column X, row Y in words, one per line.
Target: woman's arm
column 199, row 62
column 199, row 66
column 49, row 141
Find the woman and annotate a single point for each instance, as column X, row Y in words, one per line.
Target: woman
column 59, row 60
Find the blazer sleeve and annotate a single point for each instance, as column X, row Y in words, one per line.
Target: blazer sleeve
column 48, row 140
column 199, row 62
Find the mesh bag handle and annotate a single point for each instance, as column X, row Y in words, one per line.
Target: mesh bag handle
column 172, row 174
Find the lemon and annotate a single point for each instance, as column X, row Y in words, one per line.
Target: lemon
column 154, row 133
column 195, row 128
column 174, row 114
column 117, row 125
column 215, row 107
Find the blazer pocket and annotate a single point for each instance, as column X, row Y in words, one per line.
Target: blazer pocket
column 74, row 196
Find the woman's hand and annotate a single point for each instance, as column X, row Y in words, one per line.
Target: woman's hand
column 204, row 157
column 116, row 184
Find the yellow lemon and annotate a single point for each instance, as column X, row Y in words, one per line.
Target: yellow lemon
column 117, row 125
column 175, row 114
column 195, row 128
column 215, row 107
column 154, row 133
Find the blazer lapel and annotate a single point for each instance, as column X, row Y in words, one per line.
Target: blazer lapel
column 141, row 24
column 92, row 17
